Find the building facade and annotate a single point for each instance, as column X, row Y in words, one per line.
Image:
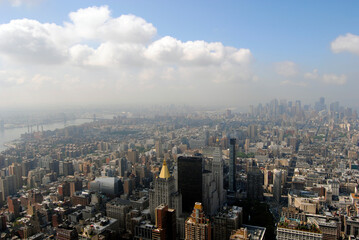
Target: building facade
column 277, row 185
column 232, row 165
column 197, row 226
column 164, row 192
column 189, row 170
column 217, row 170
column 255, row 184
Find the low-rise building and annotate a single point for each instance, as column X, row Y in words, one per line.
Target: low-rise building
column 289, row 229
column 248, row 232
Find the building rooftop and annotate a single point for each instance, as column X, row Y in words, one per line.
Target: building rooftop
column 229, row 212
column 249, row 232
column 323, row 222
column 295, row 224
column 102, row 224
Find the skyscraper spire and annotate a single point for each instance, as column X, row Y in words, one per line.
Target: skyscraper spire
column 164, row 171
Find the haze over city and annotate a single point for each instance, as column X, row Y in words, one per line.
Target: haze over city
column 186, row 120
column 233, row 53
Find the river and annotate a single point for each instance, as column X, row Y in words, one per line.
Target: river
column 9, row 135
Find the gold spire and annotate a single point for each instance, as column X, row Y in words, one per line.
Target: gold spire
column 164, row 171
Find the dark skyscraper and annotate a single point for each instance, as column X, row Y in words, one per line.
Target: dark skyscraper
column 123, row 166
column 255, row 184
column 232, row 165
column 189, row 181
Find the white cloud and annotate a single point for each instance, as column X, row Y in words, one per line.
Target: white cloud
column 80, row 53
column 347, row 43
column 166, row 49
column 95, row 55
column 334, row 79
column 312, row 75
column 96, row 23
column 110, row 54
column 30, row 41
column 331, row 79
column 286, row 68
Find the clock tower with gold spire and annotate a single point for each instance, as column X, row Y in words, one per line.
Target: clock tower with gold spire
column 164, row 192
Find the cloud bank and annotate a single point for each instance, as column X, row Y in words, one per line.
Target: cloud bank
column 110, row 59
column 95, row 57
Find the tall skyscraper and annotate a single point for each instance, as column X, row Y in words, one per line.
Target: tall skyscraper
column 122, row 166
column 298, row 107
column 189, row 170
column 217, row 170
column 277, row 184
column 26, row 166
column 206, row 137
column 7, row 187
column 15, row 169
column 197, row 226
column 232, row 165
column 164, row 192
column 255, row 184
column 209, row 193
column 319, row 106
column 252, row 131
column 158, row 146
column 13, row 205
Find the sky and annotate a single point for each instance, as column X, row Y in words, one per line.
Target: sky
column 213, row 53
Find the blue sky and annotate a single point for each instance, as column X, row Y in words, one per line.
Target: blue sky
column 275, row 32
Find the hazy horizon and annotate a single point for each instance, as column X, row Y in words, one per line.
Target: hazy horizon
column 119, row 53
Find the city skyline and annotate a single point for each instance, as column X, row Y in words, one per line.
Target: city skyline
column 189, row 120
column 232, row 54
